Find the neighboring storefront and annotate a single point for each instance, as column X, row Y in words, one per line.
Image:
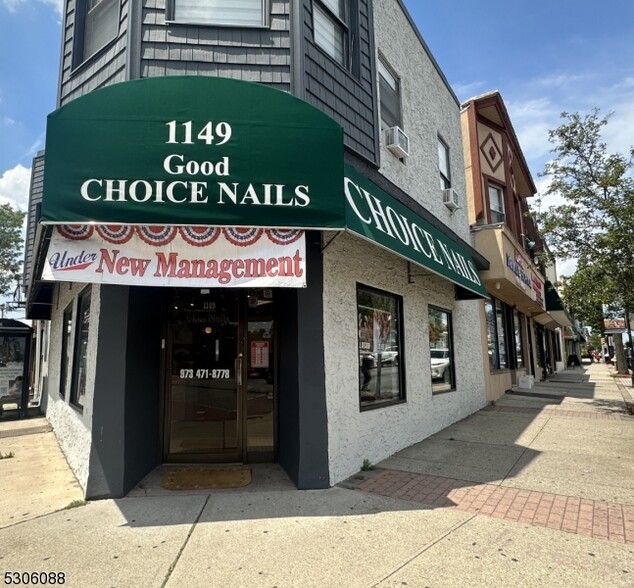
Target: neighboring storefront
column 209, row 269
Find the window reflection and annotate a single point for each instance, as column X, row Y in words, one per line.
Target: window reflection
column 441, row 350
column 380, row 357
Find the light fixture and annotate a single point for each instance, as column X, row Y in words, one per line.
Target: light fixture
column 498, row 285
column 529, row 242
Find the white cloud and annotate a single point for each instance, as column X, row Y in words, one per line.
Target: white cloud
column 566, row 267
column 14, row 187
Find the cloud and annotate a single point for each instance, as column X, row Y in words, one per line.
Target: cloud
column 13, row 5
column 14, row 187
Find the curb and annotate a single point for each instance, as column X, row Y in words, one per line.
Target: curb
column 627, row 397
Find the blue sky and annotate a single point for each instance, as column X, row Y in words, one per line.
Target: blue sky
column 544, row 56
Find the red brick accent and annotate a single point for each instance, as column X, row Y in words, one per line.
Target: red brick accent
column 593, row 518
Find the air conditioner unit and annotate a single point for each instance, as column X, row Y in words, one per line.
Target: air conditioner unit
column 450, row 199
column 397, row 141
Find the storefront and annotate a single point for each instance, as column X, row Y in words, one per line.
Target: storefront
column 192, row 251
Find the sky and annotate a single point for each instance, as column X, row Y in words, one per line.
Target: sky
column 543, row 56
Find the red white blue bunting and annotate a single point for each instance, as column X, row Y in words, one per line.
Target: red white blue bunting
column 283, row 236
column 117, row 234
column 199, row 236
column 76, row 232
column 156, row 235
column 242, row 236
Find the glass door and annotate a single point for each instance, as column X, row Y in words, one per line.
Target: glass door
column 204, row 377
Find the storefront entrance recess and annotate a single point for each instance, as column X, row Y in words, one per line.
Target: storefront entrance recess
column 220, row 390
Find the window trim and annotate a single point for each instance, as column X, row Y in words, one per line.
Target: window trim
column 345, row 25
column 382, row 63
column 84, row 295
column 445, row 181
column 501, row 189
column 78, row 59
column 170, row 18
column 450, row 338
column 498, row 304
column 519, row 344
column 67, row 346
column 401, row 345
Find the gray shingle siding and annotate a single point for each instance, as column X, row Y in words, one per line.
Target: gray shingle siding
column 349, row 99
column 35, row 198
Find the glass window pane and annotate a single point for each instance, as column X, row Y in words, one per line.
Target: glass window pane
column 499, row 313
column 390, row 97
column 101, row 25
column 80, row 358
column 220, row 12
column 380, row 357
column 441, row 350
column 443, row 165
column 491, row 335
column 519, row 345
column 329, row 35
column 67, row 331
column 496, row 203
column 337, row 7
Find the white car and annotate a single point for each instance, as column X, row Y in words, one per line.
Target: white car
column 440, row 364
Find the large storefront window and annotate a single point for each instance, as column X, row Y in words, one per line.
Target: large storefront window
column 67, row 329
column 441, row 350
column 379, row 320
column 80, row 357
column 497, row 334
column 519, row 343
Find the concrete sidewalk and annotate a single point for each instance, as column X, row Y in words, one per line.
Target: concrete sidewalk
column 534, row 491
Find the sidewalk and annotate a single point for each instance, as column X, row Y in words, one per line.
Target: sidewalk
column 534, row 491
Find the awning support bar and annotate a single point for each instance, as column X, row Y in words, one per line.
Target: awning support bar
column 329, row 242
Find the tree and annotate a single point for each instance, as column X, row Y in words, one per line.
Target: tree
column 595, row 222
column 10, row 247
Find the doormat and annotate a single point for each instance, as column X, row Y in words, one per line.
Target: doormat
column 205, row 478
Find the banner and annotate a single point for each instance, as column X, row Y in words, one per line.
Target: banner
column 207, row 257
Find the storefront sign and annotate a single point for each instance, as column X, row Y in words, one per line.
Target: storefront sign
column 177, row 256
column 193, row 151
column 378, row 217
column 537, row 287
column 516, row 268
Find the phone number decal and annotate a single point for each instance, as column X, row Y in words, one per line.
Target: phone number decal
column 204, row 374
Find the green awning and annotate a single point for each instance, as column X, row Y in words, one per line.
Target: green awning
column 553, row 300
column 193, row 150
column 378, row 217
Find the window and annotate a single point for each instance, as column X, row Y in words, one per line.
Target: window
column 379, row 320
column 330, row 28
column 443, row 164
column 80, row 356
column 496, row 334
column 96, row 25
column 67, row 329
column 519, row 344
column 496, row 204
column 441, row 350
column 390, row 93
column 236, row 13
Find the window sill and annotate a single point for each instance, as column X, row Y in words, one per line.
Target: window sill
column 386, row 404
column 194, row 23
column 334, row 62
column 439, row 392
column 75, row 69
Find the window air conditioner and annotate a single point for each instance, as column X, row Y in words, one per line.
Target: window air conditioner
column 450, row 198
column 397, row 141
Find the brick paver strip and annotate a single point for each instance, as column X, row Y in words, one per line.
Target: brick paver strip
column 571, row 514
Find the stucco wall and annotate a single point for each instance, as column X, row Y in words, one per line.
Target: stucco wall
column 375, row 434
column 429, row 109
column 72, row 427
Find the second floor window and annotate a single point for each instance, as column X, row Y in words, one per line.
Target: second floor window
column 236, row 13
column 390, row 93
column 96, row 25
column 496, row 204
column 443, row 164
column 330, row 28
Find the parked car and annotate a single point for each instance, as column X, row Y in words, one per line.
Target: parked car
column 389, row 356
column 440, row 364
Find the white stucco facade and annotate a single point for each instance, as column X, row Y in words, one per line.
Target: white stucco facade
column 355, row 435
column 73, row 428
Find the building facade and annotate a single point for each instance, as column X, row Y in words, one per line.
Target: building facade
column 243, row 245
column 521, row 330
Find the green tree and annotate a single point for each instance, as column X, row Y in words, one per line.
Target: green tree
column 10, row 247
column 595, row 222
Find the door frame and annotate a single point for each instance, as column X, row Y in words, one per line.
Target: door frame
column 242, row 454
